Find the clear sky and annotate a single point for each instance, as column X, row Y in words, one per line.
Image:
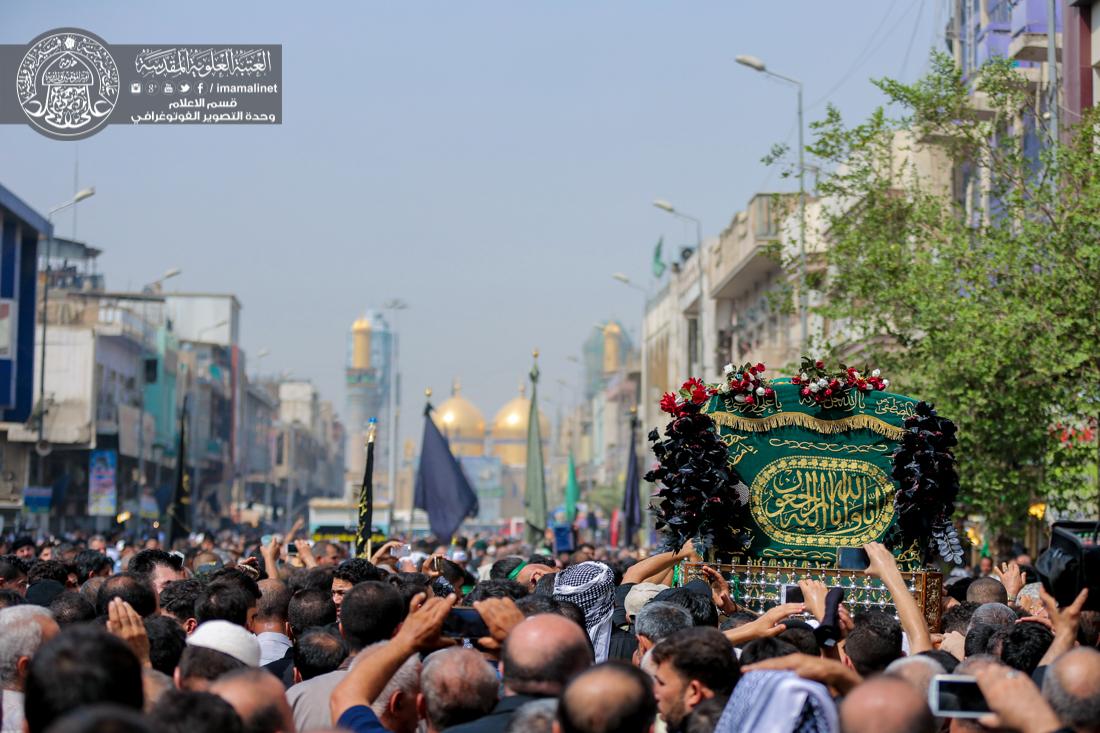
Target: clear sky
column 490, row 163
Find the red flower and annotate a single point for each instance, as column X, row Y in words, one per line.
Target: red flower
column 796, row 380
column 694, row 383
column 760, row 367
column 769, row 392
column 668, row 403
column 828, row 392
column 819, row 364
column 699, row 395
column 749, row 400
column 805, row 391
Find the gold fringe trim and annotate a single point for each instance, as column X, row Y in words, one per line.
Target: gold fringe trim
column 801, row 419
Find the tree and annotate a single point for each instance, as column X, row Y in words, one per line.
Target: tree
column 988, row 310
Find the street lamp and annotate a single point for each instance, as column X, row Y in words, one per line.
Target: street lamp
column 394, row 305
column 168, row 275
column 666, row 206
column 213, row 327
column 758, row 65
column 42, row 447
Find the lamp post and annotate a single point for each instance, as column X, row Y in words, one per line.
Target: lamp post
column 394, row 305
column 756, row 64
column 259, row 360
column 41, row 447
column 704, row 326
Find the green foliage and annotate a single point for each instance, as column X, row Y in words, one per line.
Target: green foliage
column 989, row 313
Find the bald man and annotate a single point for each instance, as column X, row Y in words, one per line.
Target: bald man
column 259, row 698
column 1072, row 687
column 540, row 655
column 608, row 698
column 886, row 705
column 456, row 686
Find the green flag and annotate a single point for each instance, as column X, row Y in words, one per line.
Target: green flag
column 572, row 491
column 535, row 487
column 658, row 262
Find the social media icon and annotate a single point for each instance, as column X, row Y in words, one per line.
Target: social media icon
column 135, row 88
column 185, row 88
column 169, row 89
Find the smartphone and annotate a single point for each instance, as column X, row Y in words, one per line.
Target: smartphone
column 291, row 549
column 401, row 551
column 852, row 558
column 956, row 696
column 792, row 594
column 464, row 622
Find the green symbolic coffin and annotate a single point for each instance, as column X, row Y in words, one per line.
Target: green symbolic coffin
column 818, row 472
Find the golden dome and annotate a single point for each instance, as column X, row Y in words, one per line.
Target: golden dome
column 361, row 324
column 462, row 424
column 510, row 429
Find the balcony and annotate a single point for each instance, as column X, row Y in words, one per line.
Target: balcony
column 1032, row 47
column 743, row 253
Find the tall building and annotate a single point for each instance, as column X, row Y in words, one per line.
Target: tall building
column 370, row 378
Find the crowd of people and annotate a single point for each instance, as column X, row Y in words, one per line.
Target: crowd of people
column 284, row 635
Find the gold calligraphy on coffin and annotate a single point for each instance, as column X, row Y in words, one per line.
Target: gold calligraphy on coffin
column 822, row 501
column 738, row 451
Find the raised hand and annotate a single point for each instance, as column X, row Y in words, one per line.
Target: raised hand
column 883, row 565
column 305, row 552
column 814, row 591
column 719, row 590
column 1015, row 701
column 1011, row 577
column 829, row 672
column 125, row 623
column 422, row 628
column 501, row 616
column 770, row 624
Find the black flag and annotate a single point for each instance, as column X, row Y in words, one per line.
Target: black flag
column 632, row 512
column 366, row 498
column 441, row 488
column 180, row 507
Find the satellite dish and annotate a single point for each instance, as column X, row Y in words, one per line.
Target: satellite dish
column 43, row 448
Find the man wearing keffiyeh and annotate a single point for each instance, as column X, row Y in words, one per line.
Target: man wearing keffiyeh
column 590, row 585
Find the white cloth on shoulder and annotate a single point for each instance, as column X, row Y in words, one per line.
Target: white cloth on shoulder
column 778, row 702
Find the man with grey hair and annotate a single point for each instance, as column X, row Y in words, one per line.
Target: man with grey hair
column 534, row 717
column 396, row 705
column 993, row 614
column 917, row 670
column 1028, row 599
column 655, row 621
column 23, row 629
column 456, row 686
column 1072, row 687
